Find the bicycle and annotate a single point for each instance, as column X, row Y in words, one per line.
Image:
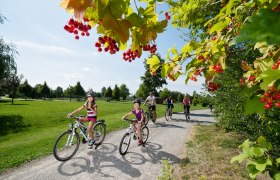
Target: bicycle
column 68, row 142
column 149, row 113
column 187, row 112
column 125, row 141
column 168, row 114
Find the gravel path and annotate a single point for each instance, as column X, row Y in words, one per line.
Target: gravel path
column 166, row 141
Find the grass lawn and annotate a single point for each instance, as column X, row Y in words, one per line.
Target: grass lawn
column 208, row 153
column 29, row 128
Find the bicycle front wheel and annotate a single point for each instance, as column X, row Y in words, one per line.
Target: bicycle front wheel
column 167, row 114
column 154, row 116
column 125, row 142
column 99, row 133
column 66, row 145
column 145, row 134
column 147, row 118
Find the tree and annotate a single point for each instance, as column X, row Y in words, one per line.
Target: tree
column 12, row 83
column 25, row 89
column 143, row 91
column 37, row 91
column 165, row 93
column 7, row 60
column 79, row 90
column 69, row 92
column 116, row 93
column 58, row 92
column 180, row 97
column 45, row 91
column 152, row 79
column 124, row 92
column 103, row 91
column 109, row 93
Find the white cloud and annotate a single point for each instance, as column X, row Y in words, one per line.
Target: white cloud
column 86, row 69
column 72, row 76
column 44, row 48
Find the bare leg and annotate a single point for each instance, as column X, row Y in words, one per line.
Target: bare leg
column 139, row 130
column 91, row 123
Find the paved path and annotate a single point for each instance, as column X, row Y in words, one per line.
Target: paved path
column 166, row 141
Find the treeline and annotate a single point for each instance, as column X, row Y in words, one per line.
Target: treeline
column 43, row 91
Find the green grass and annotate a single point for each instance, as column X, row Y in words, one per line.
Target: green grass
column 29, row 128
column 208, row 153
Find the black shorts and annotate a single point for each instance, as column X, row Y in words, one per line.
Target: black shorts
column 153, row 108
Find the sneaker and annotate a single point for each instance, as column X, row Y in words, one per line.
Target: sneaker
column 91, row 142
column 134, row 137
column 140, row 142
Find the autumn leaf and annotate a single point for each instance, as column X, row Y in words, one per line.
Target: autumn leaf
column 79, row 6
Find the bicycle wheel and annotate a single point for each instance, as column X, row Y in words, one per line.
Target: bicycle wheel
column 125, row 142
column 166, row 115
column 154, row 116
column 147, row 118
column 145, row 134
column 99, row 133
column 66, row 145
column 186, row 114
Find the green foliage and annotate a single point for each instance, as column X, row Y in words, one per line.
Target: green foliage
column 116, row 93
column 256, row 30
column 258, row 158
column 167, row 171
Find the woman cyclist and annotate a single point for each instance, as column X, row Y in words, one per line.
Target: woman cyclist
column 139, row 114
column 91, row 117
column 170, row 105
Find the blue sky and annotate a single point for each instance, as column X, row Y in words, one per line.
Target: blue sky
column 49, row 53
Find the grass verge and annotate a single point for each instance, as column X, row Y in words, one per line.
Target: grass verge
column 208, row 153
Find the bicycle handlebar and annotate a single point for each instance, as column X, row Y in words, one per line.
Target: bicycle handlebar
column 131, row 120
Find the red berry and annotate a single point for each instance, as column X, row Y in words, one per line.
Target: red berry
column 77, row 37
column 99, row 49
column 263, row 99
column 277, row 104
column 252, row 78
column 267, row 106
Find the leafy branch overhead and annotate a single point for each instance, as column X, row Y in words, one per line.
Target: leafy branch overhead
column 133, row 27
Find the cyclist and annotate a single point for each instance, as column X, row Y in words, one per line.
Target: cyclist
column 170, row 105
column 152, row 101
column 139, row 114
column 91, row 107
column 187, row 104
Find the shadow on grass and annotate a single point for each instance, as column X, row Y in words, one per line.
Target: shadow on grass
column 12, row 123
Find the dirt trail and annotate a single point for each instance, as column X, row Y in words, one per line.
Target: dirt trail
column 166, row 141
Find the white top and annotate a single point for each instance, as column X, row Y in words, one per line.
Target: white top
column 151, row 100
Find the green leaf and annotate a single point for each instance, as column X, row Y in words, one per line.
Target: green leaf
column 135, row 20
column 220, row 25
column 264, row 64
column 166, row 69
column 254, row 105
column 258, row 31
column 262, row 141
column 154, row 62
column 239, row 158
column 269, row 77
column 277, row 176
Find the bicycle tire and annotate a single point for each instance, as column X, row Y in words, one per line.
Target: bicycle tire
column 147, row 118
column 145, row 134
column 124, row 144
column 60, row 151
column 99, row 131
column 154, row 116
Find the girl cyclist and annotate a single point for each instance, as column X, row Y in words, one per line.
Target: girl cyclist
column 139, row 114
column 91, row 117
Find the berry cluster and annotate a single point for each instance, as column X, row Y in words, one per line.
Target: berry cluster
column 201, row 58
column 130, row 55
column 167, row 16
column 276, row 65
column 218, row 68
column 242, row 82
column 212, row 86
column 197, row 72
column 109, row 44
column 193, row 78
column 271, row 97
column 75, row 26
column 150, row 48
column 252, row 78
